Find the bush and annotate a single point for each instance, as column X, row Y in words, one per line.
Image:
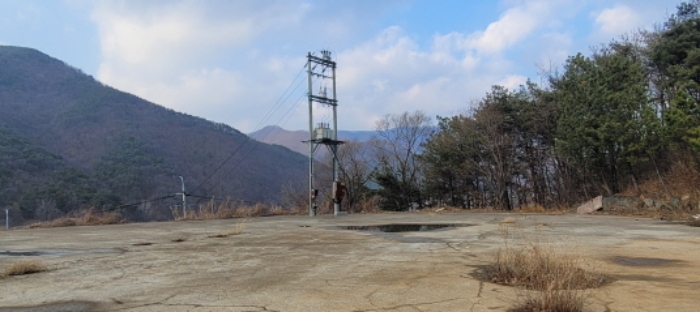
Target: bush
column 552, row 301
column 541, row 268
column 555, row 280
column 25, row 267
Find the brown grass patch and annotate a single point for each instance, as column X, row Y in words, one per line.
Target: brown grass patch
column 552, row 301
column 25, row 267
column 508, row 220
column 541, row 268
column 555, row 280
column 229, row 209
column 88, row 217
column 541, row 209
column 238, row 229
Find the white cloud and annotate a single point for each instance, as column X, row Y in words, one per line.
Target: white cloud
column 617, row 20
column 512, row 81
column 391, row 73
column 513, row 26
column 171, row 53
column 229, row 61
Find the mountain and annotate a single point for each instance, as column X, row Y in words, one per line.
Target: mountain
column 69, row 140
column 293, row 139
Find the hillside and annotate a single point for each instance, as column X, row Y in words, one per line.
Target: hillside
column 293, row 139
column 127, row 147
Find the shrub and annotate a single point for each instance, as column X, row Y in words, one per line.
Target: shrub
column 555, row 279
column 541, row 268
column 552, row 301
column 25, row 267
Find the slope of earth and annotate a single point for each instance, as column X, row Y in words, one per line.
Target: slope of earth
column 314, row 264
column 135, row 147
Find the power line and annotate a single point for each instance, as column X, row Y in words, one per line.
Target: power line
column 269, row 114
column 259, row 143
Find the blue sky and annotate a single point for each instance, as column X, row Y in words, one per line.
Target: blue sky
column 230, row 61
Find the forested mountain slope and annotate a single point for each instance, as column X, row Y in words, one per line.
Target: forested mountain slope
column 56, row 119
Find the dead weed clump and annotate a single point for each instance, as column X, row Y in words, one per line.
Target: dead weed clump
column 238, row 229
column 552, row 301
column 555, row 281
column 541, row 268
column 230, row 209
column 87, row 217
column 25, row 267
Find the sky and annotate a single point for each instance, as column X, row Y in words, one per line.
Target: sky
column 240, row 62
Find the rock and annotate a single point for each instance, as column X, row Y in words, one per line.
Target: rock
column 675, row 202
column 591, row 206
column 648, row 202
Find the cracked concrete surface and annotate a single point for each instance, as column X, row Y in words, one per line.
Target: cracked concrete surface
column 312, row 264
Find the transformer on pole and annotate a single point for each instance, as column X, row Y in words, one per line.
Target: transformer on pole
column 323, row 134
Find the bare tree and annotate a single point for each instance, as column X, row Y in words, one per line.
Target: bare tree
column 396, row 150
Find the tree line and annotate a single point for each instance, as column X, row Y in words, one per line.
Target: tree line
column 601, row 124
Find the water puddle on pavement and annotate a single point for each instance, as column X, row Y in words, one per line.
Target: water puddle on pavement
column 633, row 261
column 54, row 252
column 394, row 228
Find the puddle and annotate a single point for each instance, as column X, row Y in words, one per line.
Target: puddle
column 393, row 228
column 632, row 261
column 54, row 252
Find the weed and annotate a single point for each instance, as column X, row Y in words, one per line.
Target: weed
column 88, row 217
column 541, row 268
column 229, row 209
column 238, row 229
column 508, row 220
column 555, row 279
column 25, row 267
column 552, row 301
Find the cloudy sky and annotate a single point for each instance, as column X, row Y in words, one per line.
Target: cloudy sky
column 232, row 61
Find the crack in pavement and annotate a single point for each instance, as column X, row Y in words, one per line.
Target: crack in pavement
column 409, row 305
column 478, row 296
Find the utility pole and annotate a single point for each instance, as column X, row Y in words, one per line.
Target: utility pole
column 317, row 67
column 184, row 198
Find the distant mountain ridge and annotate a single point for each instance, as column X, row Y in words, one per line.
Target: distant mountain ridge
column 293, row 139
column 121, row 148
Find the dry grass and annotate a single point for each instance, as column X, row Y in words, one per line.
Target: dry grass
column 25, row 267
column 230, row 209
column 238, row 229
column 88, row 217
column 552, row 301
column 555, row 279
column 541, row 268
column 541, row 209
column 508, row 220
